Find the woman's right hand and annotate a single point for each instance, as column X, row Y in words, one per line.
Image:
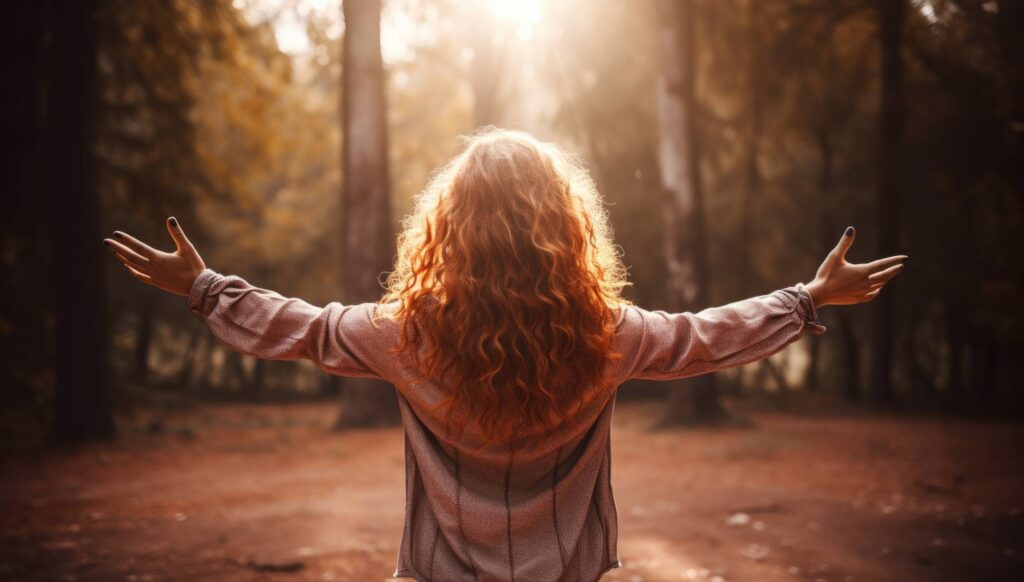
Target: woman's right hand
column 838, row 282
column 173, row 272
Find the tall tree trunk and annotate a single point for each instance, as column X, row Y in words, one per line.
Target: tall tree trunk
column 812, row 377
column 143, row 339
column 188, row 361
column 811, row 381
column 83, row 404
column 891, row 14
column 851, row 348
column 234, row 375
column 922, row 384
column 202, row 380
column 685, row 240
column 985, row 359
column 958, row 248
column 365, row 206
column 255, row 384
column 22, row 223
column 956, row 325
column 768, row 369
column 748, row 281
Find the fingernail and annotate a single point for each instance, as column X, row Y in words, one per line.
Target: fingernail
column 106, row 242
column 174, row 222
column 905, row 259
column 117, row 235
column 849, row 231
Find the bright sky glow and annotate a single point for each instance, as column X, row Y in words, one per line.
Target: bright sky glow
column 399, row 31
column 926, row 8
column 290, row 18
column 521, row 15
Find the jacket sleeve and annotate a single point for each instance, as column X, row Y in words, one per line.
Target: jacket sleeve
column 339, row 339
column 657, row 345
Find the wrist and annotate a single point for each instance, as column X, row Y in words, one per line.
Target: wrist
column 817, row 292
column 199, row 289
column 194, row 271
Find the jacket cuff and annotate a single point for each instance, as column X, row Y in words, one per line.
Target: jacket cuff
column 200, row 288
column 806, row 311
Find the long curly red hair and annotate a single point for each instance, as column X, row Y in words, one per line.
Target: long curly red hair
column 507, row 272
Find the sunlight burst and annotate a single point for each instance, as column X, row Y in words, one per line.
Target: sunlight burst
column 521, row 15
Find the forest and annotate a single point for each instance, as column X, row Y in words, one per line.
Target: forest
column 733, row 141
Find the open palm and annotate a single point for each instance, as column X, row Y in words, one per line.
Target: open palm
column 839, row 282
column 173, row 272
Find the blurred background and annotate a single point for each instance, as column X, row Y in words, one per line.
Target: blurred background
column 734, row 140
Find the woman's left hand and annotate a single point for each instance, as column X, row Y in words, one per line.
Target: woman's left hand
column 173, row 272
column 839, row 282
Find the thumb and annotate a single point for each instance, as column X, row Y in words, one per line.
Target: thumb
column 845, row 243
column 180, row 240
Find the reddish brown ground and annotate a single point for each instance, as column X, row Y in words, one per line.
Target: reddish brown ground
column 235, row 492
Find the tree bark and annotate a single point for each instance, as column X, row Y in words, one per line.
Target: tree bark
column 365, row 201
column 188, row 361
column 748, row 280
column 235, row 375
column 257, row 380
column 83, row 403
column 685, row 240
column 891, row 14
column 812, row 378
column 143, row 339
column 851, row 348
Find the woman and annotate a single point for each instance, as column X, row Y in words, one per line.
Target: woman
column 505, row 335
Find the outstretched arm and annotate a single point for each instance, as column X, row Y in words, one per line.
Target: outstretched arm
column 339, row 339
column 659, row 345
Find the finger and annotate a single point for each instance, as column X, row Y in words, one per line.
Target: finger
column 878, row 285
column 871, row 295
column 135, row 244
column 845, row 242
column 139, row 275
column 128, row 259
column 128, row 262
column 180, row 240
column 860, row 298
column 124, row 250
column 886, row 274
column 886, row 262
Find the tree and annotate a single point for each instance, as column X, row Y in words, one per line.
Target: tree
column 685, row 240
column 829, row 71
column 891, row 14
column 365, row 205
column 153, row 92
column 749, row 280
column 26, row 340
column 82, row 405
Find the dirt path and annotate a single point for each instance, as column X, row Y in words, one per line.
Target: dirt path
column 267, row 493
